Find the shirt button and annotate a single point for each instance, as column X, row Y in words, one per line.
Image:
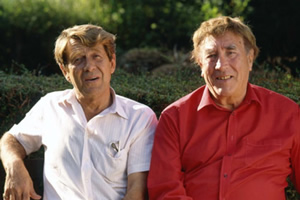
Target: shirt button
column 225, row 175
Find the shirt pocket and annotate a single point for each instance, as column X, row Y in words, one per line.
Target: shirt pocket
column 262, row 153
column 115, row 167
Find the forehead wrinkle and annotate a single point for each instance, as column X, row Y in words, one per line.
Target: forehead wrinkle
column 75, row 48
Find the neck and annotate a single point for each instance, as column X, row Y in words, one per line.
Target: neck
column 95, row 104
column 229, row 103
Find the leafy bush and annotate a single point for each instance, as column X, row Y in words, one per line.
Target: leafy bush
column 19, row 92
column 142, row 60
column 28, row 28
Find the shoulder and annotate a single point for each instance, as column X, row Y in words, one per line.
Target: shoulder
column 57, row 95
column 190, row 100
column 53, row 98
column 274, row 103
column 269, row 97
column 133, row 107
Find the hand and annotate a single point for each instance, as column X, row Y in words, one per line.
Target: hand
column 18, row 183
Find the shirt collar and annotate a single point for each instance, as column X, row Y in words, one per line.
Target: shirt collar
column 206, row 99
column 115, row 107
column 251, row 96
column 68, row 97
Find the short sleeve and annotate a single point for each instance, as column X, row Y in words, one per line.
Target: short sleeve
column 141, row 148
column 29, row 131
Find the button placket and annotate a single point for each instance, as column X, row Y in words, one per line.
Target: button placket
column 227, row 159
column 86, row 168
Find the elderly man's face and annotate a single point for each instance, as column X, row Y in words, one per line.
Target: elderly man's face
column 89, row 69
column 225, row 65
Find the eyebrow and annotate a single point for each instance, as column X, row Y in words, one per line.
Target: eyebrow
column 231, row 47
column 75, row 54
column 212, row 50
column 209, row 51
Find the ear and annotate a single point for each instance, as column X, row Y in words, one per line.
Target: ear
column 65, row 72
column 250, row 58
column 113, row 63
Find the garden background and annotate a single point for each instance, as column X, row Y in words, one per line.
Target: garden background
column 153, row 49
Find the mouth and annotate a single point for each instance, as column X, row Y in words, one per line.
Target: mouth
column 224, row 77
column 91, row 79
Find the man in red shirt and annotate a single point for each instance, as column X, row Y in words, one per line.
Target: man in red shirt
column 228, row 139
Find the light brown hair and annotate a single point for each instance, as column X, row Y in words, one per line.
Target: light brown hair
column 88, row 35
column 218, row 26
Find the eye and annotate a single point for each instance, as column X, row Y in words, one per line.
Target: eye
column 97, row 56
column 231, row 53
column 77, row 60
column 211, row 56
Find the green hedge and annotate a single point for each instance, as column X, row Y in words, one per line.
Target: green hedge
column 19, row 92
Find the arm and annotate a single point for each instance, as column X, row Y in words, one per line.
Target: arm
column 165, row 180
column 136, row 188
column 18, row 183
column 295, row 155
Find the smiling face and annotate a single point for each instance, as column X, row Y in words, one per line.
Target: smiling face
column 89, row 69
column 225, row 65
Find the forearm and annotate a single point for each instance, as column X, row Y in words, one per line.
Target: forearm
column 11, row 151
column 137, row 186
column 18, row 183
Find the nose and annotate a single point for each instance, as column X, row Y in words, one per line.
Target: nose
column 218, row 64
column 221, row 62
column 89, row 65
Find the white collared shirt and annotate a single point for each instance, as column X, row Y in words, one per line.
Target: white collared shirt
column 88, row 160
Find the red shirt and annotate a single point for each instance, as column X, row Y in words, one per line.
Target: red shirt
column 202, row 151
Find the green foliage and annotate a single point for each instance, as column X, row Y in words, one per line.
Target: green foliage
column 28, row 28
column 157, row 91
column 19, row 92
column 291, row 193
column 170, row 23
column 278, row 81
column 142, row 60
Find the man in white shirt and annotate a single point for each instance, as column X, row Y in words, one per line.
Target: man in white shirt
column 97, row 144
